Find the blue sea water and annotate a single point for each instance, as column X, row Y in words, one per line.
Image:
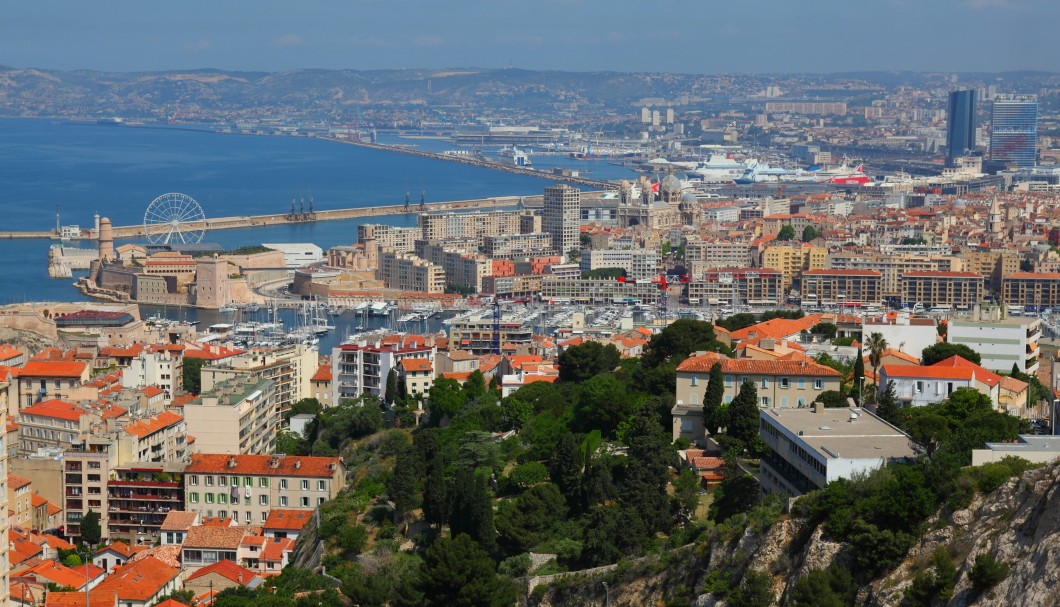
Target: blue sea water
column 83, row 168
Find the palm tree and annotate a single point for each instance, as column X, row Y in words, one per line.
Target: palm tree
column 876, row 345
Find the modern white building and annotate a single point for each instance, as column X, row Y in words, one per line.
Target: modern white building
column 1000, row 342
column 808, row 448
column 918, row 386
column 297, row 254
column 903, row 333
column 362, row 367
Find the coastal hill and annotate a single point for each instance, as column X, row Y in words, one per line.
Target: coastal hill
column 219, row 94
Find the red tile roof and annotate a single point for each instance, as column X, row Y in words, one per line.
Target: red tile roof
column 940, row 274
column 214, row 537
column 262, row 465
column 226, row 569
column 7, row 352
column 275, row 548
column 55, row 409
column 289, row 520
column 77, row 599
column 138, row 580
column 53, row 368
column 323, row 373
column 146, row 427
column 747, row 366
column 415, row 365
column 17, row 481
column 50, row 571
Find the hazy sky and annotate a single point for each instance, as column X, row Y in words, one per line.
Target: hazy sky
column 704, row 36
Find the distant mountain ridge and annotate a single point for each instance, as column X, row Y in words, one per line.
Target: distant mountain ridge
column 319, row 92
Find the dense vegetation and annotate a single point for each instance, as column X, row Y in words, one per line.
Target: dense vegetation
column 447, row 513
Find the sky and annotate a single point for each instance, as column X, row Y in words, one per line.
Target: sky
column 693, row 36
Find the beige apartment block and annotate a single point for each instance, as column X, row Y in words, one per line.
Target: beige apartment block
column 959, row 290
column 290, row 368
column 235, row 416
column 410, row 273
column 792, row 260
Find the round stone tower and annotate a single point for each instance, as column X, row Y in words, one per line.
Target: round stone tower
column 106, row 240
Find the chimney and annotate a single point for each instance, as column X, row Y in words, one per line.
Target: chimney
column 232, row 462
column 816, row 406
column 297, row 464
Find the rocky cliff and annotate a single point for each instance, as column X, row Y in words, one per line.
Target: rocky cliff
column 1018, row 525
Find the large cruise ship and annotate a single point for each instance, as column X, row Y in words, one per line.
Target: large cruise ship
column 719, row 169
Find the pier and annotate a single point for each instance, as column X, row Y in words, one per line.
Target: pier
column 275, row 219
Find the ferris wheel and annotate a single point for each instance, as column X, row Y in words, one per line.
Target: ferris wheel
column 174, row 219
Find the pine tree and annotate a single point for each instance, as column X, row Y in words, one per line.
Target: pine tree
column 887, row 407
column 743, row 414
column 472, row 509
column 712, row 400
column 435, row 494
column 402, row 484
column 91, row 532
column 649, row 458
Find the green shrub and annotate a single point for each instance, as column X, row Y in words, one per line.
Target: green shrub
column 987, row 572
column 528, row 474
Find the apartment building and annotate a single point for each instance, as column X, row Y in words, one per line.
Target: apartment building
column 737, row 286
column 808, row 108
column 593, row 291
column 84, row 484
column 162, row 368
column 235, row 416
column 139, row 498
column 773, row 224
column 993, row 264
column 41, row 380
column 961, row 290
column 247, row 487
column 475, row 335
column 919, row 385
column 1035, row 289
column 516, row 246
column 362, row 367
column 639, row 264
column 892, row 267
column 702, row 255
column 55, row 424
column 902, row 332
column 290, row 368
column 781, row 384
column 159, row 438
column 474, row 224
column 1000, row 342
column 418, row 376
column 809, row 448
column 19, row 501
column 508, row 287
column 561, row 217
column 401, row 240
column 410, row 273
column 841, row 287
column 461, row 268
column 794, row 259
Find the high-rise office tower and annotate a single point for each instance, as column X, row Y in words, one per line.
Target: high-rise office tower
column 960, row 134
column 1014, row 130
column 561, row 217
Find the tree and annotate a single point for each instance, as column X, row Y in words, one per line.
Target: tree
column 942, row 351
column 444, row 399
column 391, row 386
column 191, row 374
column 810, row 233
column 435, row 494
column 735, row 495
column 888, row 407
column 786, row 233
column 754, row 591
column 987, row 572
column 474, row 386
column 858, row 378
column 524, row 522
column 832, row 399
column 827, row 329
column 72, row 560
column 527, row 475
column 574, row 255
column 404, row 481
column 611, row 532
column 877, row 345
column 605, row 273
column 603, row 403
column 678, row 340
column 90, row 529
column 458, row 573
column 587, row 360
column 743, row 414
column 713, row 400
column 831, row 587
column 472, row 509
column 647, row 470
column 516, row 412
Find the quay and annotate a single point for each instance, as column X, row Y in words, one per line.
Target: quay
column 486, row 164
column 253, row 221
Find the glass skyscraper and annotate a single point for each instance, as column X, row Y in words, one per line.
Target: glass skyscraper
column 1014, row 130
column 960, row 136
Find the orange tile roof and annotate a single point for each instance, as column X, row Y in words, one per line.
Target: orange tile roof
column 146, row 427
column 17, row 481
column 746, row 366
column 152, row 391
column 777, row 328
column 226, row 569
column 138, row 580
column 53, row 509
column 182, row 399
column 57, row 542
column 214, row 537
column 261, row 465
column 415, row 365
column 51, row 571
column 77, row 599
column 1012, row 384
column 274, row 549
column 937, row 372
column 118, row 547
column 216, row 521
column 179, row 520
column 169, row 555
column 129, row 351
column 170, row 603
column 290, row 520
column 7, row 352
column 53, row 368
column 55, row 409
column 323, row 373
column 460, row 376
column 940, row 274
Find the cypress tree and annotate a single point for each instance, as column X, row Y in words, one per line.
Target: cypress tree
column 712, row 400
column 743, row 414
column 435, row 495
column 391, row 386
column 859, row 374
